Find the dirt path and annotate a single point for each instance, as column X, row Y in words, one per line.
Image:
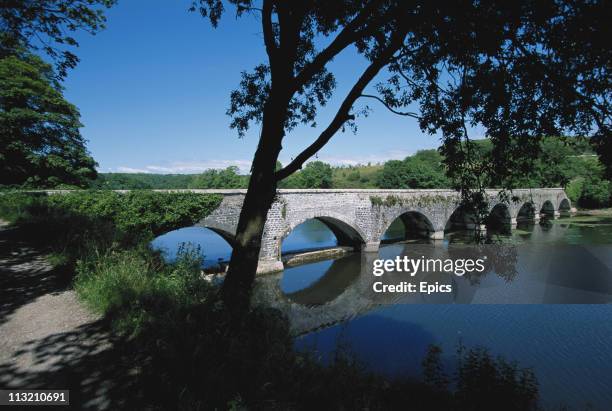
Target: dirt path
column 48, row 339
column 36, row 301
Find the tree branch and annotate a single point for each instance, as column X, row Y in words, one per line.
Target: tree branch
column 343, row 113
column 391, row 109
column 346, row 37
column 268, row 29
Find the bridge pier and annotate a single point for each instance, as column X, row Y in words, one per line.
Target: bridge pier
column 437, row 235
column 513, row 222
column 371, row 247
column 269, row 266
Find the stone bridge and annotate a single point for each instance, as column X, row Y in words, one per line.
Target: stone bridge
column 359, row 218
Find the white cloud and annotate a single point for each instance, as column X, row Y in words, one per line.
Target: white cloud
column 190, row 167
column 186, row 167
column 354, row 160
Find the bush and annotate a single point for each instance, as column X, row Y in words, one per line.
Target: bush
column 17, row 206
column 79, row 224
column 139, row 214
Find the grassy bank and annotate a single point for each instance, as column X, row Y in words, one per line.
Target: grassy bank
column 188, row 353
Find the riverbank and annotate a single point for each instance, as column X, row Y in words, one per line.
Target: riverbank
column 604, row 212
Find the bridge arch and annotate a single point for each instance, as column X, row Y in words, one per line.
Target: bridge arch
column 499, row 216
column 565, row 206
column 346, row 233
column 416, row 224
column 527, row 212
column 548, row 209
column 228, row 237
column 460, row 219
column 226, row 231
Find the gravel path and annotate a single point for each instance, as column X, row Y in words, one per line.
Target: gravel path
column 48, row 339
column 35, row 300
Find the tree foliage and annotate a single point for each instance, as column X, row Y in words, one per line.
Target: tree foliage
column 520, row 70
column 315, row 174
column 226, row 178
column 39, row 130
column 423, row 170
column 48, row 25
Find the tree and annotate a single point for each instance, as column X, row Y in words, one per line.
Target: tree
column 557, row 164
column 227, row 178
column 287, row 91
column 595, row 191
column 525, row 70
column 39, row 130
column 393, row 175
column 513, row 67
column 426, row 170
column 47, row 25
column 422, row 170
column 433, row 369
column 316, row 174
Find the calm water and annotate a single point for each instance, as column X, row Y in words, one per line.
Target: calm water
column 523, row 307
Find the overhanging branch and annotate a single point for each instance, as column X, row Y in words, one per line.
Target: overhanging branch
column 343, row 113
column 391, row 109
column 345, row 38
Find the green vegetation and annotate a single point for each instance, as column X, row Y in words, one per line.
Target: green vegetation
column 190, row 351
column 357, row 176
column 79, row 223
column 226, row 178
column 316, row 174
column 39, row 130
column 562, row 162
column 422, row 170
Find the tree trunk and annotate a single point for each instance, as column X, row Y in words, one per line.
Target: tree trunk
column 236, row 289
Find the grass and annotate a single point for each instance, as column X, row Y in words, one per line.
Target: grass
column 133, row 286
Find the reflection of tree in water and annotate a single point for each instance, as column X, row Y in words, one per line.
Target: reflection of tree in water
column 500, row 258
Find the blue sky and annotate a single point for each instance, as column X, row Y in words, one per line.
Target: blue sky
column 153, row 88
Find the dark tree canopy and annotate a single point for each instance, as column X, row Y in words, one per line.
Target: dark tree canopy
column 47, row 25
column 39, row 130
column 520, row 70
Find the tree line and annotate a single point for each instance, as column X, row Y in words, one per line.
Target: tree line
column 570, row 163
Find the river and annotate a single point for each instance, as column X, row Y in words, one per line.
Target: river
column 545, row 302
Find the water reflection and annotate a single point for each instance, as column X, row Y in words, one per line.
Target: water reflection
column 310, row 235
column 533, row 264
column 559, row 262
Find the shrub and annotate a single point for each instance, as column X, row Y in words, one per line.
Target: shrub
column 15, row 206
column 79, row 217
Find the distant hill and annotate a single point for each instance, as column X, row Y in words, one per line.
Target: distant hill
column 563, row 162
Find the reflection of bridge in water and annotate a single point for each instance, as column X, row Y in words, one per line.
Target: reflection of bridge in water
column 534, row 272
column 359, row 218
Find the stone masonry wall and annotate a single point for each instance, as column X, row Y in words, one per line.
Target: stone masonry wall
column 362, row 215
